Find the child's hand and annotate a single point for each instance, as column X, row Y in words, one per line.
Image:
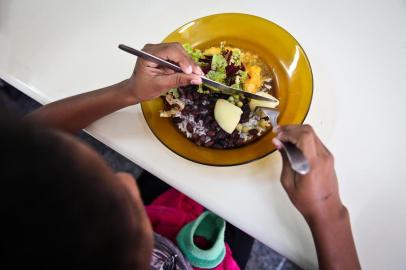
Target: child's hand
column 150, row 81
column 315, row 194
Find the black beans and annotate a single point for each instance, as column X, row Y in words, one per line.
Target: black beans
column 203, row 110
column 195, row 95
column 207, row 119
column 177, row 120
column 181, row 92
column 202, row 138
column 221, row 135
column 188, row 108
column 189, row 127
column 198, row 118
column 200, row 107
column 246, row 114
column 209, row 143
column 240, row 142
column 224, row 143
column 218, row 146
column 253, row 131
column 244, row 120
column 211, row 133
column 195, row 137
column 214, row 125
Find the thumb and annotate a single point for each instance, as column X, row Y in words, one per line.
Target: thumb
column 178, row 79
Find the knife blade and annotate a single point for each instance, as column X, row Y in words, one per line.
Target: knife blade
column 221, row 87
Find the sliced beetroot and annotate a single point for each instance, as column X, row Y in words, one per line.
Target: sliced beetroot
column 231, row 70
column 206, row 60
column 228, row 55
column 206, row 69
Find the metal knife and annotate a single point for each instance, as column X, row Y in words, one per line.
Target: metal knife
column 222, row 87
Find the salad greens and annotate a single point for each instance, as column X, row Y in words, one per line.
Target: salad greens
column 236, row 57
column 174, row 92
column 217, row 76
column 218, row 63
column 224, row 67
column 196, row 54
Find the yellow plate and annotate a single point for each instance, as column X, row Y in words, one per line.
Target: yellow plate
column 279, row 49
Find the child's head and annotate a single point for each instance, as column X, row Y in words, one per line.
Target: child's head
column 62, row 207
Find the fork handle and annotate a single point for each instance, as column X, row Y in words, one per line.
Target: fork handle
column 150, row 57
column 297, row 160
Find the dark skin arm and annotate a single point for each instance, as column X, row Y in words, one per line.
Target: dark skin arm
column 148, row 81
column 316, row 197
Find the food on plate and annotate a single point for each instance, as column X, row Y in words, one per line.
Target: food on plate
column 212, row 119
column 227, row 115
column 262, row 103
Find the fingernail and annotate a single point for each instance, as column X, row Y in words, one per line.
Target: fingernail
column 196, row 81
column 277, row 143
column 200, row 71
column 188, row 70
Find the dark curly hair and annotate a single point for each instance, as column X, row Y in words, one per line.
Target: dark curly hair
column 53, row 215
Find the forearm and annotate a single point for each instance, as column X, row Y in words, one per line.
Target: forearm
column 333, row 239
column 75, row 113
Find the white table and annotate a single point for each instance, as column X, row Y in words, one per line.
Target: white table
column 54, row 49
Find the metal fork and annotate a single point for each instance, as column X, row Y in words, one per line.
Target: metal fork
column 297, row 160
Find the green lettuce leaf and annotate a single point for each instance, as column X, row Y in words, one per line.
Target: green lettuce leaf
column 196, row 54
column 216, row 76
column 218, row 63
column 236, row 57
column 243, row 75
column 174, row 92
column 236, row 85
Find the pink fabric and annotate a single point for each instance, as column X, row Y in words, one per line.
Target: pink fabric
column 173, row 210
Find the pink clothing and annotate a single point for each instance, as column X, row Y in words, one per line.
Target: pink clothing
column 173, row 210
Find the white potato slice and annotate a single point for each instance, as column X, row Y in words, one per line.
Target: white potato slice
column 227, row 115
column 255, row 103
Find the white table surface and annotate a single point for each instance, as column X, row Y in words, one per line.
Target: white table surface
column 357, row 49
